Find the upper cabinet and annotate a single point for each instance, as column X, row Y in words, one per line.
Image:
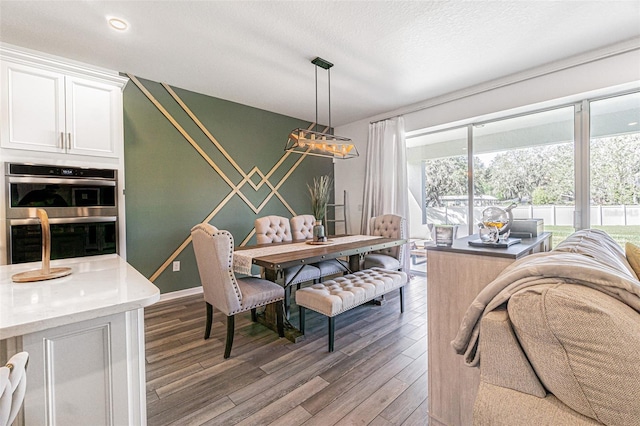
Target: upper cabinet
column 57, row 107
column 93, row 117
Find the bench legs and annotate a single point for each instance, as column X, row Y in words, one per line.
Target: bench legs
column 332, row 327
column 332, row 323
column 287, row 295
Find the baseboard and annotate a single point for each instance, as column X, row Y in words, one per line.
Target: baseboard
column 180, row 293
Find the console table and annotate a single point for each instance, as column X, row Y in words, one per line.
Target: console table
column 455, row 275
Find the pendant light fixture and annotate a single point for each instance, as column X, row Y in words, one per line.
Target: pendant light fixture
column 312, row 142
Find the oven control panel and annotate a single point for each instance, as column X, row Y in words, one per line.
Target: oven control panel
column 57, row 171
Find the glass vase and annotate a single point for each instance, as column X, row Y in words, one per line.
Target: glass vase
column 318, row 232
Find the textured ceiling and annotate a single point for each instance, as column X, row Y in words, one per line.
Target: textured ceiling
column 387, row 54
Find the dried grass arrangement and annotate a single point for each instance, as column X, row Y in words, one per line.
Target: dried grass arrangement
column 319, row 193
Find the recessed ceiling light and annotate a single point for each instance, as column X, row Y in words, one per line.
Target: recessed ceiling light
column 117, row 24
column 633, row 123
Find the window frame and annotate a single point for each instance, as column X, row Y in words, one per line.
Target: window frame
column 582, row 139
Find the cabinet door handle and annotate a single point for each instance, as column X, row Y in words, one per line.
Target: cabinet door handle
column 61, row 140
column 68, row 141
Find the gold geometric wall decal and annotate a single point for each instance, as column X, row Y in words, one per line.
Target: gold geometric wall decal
column 248, row 237
column 253, row 173
column 236, row 189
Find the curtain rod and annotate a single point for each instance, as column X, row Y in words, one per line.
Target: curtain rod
column 518, row 78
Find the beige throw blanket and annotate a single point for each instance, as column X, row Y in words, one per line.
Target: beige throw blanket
column 588, row 257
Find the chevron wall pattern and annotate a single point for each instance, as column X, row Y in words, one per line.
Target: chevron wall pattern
column 191, row 158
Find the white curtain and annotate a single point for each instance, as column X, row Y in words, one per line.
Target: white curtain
column 385, row 182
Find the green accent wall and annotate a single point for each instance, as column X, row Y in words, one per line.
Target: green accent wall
column 170, row 187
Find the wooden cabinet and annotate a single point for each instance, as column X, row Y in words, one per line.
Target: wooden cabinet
column 59, row 110
column 455, row 276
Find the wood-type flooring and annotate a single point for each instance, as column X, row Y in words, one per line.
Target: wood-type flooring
column 377, row 374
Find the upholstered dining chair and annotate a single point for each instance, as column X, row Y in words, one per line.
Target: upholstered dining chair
column 302, row 229
column 387, row 226
column 222, row 290
column 13, row 385
column 277, row 229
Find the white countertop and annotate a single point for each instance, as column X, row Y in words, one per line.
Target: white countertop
column 98, row 286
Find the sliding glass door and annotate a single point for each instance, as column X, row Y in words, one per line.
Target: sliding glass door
column 575, row 166
column 439, row 180
column 614, row 166
column 528, row 160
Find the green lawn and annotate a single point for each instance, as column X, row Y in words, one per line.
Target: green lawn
column 621, row 234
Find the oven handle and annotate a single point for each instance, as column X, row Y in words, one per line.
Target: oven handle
column 61, row 181
column 63, row 220
column 62, row 212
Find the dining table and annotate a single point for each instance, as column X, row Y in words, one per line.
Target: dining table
column 274, row 258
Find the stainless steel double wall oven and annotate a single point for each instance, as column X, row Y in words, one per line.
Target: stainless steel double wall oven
column 81, row 204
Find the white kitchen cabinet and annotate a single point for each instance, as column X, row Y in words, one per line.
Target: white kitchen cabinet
column 32, row 108
column 62, row 109
column 93, row 117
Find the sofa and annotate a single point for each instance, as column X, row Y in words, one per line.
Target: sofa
column 557, row 338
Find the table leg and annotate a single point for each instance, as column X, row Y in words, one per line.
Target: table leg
column 356, row 262
column 269, row 317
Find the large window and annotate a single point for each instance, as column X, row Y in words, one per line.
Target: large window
column 528, row 160
column 615, row 166
column 438, row 176
column 536, row 160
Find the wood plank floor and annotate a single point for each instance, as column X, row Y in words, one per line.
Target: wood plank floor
column 377, row 374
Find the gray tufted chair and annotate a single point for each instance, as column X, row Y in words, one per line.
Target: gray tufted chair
column 302, row 229
column 230, row 295
column 387, row 226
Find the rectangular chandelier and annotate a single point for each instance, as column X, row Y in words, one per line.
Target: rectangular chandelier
column 303, row 141
column 310, row 142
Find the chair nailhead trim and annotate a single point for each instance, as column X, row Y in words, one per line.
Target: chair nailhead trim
column 230, row 264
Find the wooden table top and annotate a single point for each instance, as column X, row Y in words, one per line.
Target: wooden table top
column 318, row 253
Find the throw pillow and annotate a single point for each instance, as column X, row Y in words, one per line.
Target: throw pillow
column 633, row 257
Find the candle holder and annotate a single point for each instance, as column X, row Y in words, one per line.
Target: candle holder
column 47, row 272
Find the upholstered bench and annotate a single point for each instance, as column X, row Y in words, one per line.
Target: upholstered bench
column 336, row 296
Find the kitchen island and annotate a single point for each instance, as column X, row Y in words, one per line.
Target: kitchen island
column 85, row 338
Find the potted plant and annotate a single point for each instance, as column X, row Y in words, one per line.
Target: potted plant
column 319, row 193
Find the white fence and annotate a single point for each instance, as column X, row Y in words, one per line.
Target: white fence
column 552, row 215
column 563, row 215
